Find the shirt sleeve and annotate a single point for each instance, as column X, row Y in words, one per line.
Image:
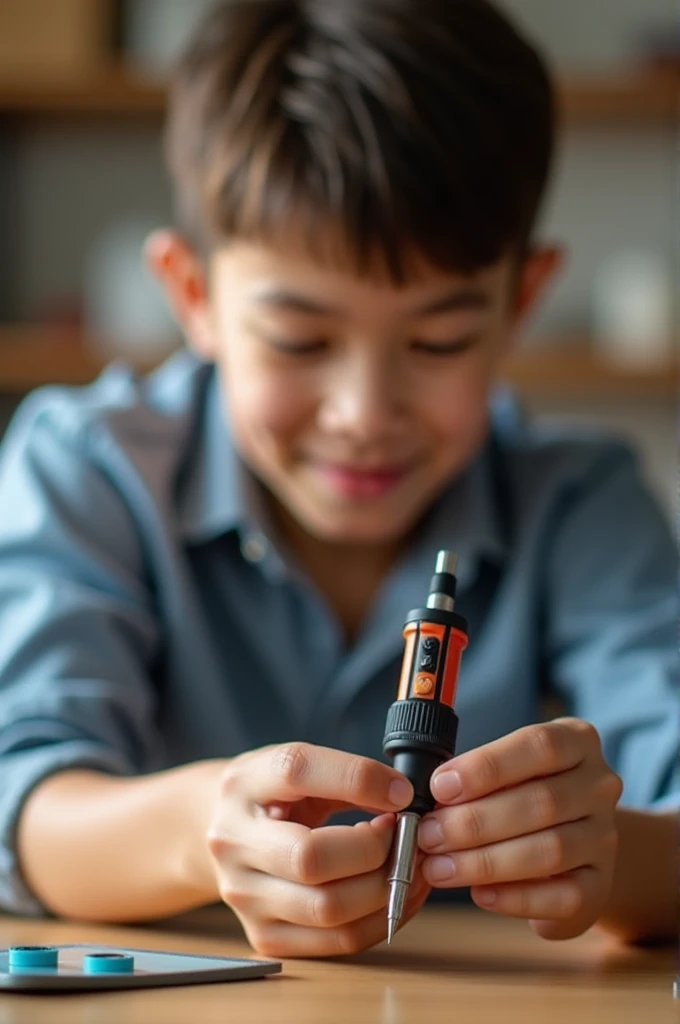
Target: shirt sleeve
column 77, row 626
column 612, row 616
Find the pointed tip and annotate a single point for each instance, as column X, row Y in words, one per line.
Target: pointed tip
column 391, row 929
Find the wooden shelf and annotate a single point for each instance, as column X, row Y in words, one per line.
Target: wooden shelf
column 651, row 95
column 570, row 368
column 115, row 91
column 644, row 95
column 31, row 358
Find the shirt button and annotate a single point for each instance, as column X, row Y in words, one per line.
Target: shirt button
column 254, row 549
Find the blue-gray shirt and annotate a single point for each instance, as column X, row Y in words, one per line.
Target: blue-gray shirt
column 147, row 618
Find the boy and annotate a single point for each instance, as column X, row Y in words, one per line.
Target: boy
column 204, row 575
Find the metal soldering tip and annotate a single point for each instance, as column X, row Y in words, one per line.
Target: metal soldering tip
column 401, row 873
column 391, row 929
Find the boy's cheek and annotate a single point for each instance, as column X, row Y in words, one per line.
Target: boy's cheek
column 458, row 400
column 259, row 408
column 463, row 427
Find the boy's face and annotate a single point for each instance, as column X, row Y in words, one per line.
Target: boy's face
column 353, row 401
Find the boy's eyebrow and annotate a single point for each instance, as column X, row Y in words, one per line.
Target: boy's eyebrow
column 465, row 299
column 460, row 300
column 279, row 298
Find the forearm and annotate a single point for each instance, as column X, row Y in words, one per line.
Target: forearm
column 99, row 848
column 643, row 905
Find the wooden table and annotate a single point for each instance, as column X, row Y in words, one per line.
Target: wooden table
column 453, row 966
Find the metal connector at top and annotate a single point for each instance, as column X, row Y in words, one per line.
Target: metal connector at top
column 446, row 562
column 446, row 565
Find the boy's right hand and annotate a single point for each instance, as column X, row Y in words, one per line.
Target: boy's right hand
column 300, row 890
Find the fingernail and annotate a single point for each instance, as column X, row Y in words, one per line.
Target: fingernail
column 439, row 869
column 447, row 786
column 400, row 793
column 430, row 834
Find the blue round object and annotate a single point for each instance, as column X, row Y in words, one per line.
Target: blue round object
column 33, row 956
column 108, row 963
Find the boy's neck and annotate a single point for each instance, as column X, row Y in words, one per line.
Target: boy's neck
column 347, row 575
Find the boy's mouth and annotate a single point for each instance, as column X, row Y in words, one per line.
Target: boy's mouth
column 361, row 484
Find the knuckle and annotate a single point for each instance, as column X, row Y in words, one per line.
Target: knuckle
column 229, row 781
column 219, row 843
column 611, row 787
column 525, row 901
column 485, row 868
column 546, row 744
column 215, row 843
column 606, row 791
column 588, row 732
column 291, row 763
column 546, row 803
column 325, row 908
column 349, row 940
column 487, row 772
column 471, row 825
column 233, row 896
column 360, row 776
column 304, row 860
column 552, row 851
column 263, row 941
column 571, row 900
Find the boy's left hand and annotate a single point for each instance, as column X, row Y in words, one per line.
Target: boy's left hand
column 532, row 830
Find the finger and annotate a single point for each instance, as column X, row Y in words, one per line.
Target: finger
column 533, row 752
column 287, row 850
column 331, row 905
column 524, row 809
column 313, row 813
column 298, row 770
column 279, row 811
column 551, row 852
column 567, row 904
column 280, row 939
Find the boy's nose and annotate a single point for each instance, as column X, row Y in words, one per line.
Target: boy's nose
column 364, row 402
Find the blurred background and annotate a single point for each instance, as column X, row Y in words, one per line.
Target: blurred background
column 82, row 181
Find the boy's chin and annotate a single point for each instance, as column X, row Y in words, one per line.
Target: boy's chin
column 361, row 530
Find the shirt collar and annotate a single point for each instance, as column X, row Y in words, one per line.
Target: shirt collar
column 213, row 495
column 469, row 518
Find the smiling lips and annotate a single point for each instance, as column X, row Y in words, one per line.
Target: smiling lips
column 361, row 484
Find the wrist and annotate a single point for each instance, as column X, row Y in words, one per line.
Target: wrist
column 198, row 793
column 643, row 903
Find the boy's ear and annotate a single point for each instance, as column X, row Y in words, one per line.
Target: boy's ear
column 182, row 276
column 538, row 271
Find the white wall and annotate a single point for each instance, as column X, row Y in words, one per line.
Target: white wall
column 599, row 34
column 73, row 183
column 615, row 186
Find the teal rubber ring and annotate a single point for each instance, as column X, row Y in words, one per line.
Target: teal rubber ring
column 33, row 956
column 108, row 963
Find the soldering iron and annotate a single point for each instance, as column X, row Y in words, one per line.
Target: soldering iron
column 421, row 726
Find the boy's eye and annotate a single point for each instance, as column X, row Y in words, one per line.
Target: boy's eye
column 294, row 347
column 443, row 348
column 315, row 346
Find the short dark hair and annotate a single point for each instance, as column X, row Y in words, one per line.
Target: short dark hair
column 411, row 125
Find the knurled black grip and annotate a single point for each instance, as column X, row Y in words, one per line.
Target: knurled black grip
column 421, row 725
